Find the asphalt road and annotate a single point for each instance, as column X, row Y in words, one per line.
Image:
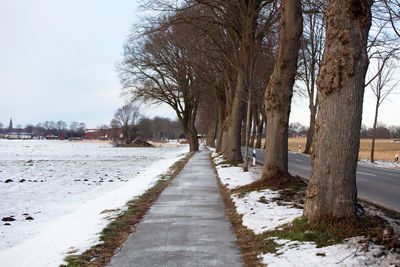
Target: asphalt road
column 377, row 185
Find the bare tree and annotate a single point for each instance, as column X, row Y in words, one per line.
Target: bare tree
column 28, row 128
column 279, row 92
column 126, row 118
column 392, row 14
column 310, row 57
column 382, row 43
column 73, row 126
column 234, row 28
column 82, row 129
column 49, row 125
column 381, row 86
column 144, row 128
column 383, row 39
column 332, row 192
column 207, row 119
column 295, row 129
column 61, row 126
column 158, row 67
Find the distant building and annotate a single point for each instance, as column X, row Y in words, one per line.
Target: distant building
column 52, row 137
column 18, row 135
column 94, row 134
column 102, row 134
column 10, row 126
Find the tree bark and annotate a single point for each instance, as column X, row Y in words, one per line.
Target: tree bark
column 187, row 120
column 260, row 128
column 211, row 134
column 192, row 139
column 332, row 192
column 278, row 94
column 218, row 147
column 221, row 103
column 232, row 125
column 246, row 146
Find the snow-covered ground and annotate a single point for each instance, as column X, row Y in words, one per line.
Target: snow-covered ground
column 67, row 188
column 381, row 164
column 294, row 253
column 261, row 213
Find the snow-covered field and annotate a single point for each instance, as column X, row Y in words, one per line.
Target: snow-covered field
column 261, row 213
column 66, row 187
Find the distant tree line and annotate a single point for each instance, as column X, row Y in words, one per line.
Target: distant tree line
column 382, row 131
column 49, row 128
column 135, row 126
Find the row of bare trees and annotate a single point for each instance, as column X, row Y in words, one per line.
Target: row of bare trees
column 133, row 125
column 49, row 128
column 236, row 63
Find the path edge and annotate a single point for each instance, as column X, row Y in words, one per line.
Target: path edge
column 118, row 230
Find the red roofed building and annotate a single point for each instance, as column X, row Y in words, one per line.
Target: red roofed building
column 102, row 134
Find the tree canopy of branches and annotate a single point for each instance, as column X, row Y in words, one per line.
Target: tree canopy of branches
column 382, row 86
column 126, row 118
column 158, row 67
column 310, row 57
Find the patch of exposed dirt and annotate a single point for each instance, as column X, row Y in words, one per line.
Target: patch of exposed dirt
column 278, row 182
column 135, row 143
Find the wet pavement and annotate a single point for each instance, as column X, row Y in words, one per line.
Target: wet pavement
column 186, row 226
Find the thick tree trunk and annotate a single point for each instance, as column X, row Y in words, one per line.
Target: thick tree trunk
column 332, row 192
column 218, row 147
column 374, row 130
column 265, row 119
column 187, row 120
column 211, row 134
column 311, row 130
column 278, row 94
column 246, row 146
column 276, row 158
column 260, row 128
column 192, row 140
column 125, row 131
column 221, row 118
column 233, row 123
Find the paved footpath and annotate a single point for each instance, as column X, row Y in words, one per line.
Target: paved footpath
column 186, row 226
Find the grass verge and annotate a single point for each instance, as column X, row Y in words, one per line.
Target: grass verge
column 249, row 243
column 322, row 233
column 118, row 230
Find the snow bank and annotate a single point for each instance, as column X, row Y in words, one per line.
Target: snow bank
column 67, row 210
column 232, row 176
column 265, row 215
column 381, row 164
column 294, row 253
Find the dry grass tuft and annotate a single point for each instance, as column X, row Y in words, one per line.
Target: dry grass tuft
column 277, row 182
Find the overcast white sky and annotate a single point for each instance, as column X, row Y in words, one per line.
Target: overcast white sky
column 57, row 62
